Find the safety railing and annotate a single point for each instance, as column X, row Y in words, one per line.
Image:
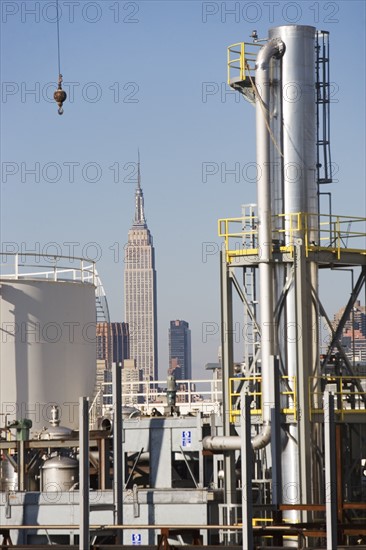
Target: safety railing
column 252, row 384
column 199, row 396
column 348, row 399
column 323, row 232
column 335, row 234
column 241, row 60
column 47, row 266
column 237, row 236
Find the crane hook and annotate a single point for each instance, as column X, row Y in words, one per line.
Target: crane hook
column 60, row 95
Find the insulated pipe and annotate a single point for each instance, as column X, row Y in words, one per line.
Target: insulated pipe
column 273, row 48
column 222, row 443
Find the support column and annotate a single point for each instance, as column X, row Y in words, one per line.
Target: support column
column 276, row 448
column 246, row 473
column 227, row 372
column 276, row 442
column 21, row 465
column 330, row 471
column 303, row 346
column 117, row 450
column 84, row 537
column 104, row 475
column 339, row 463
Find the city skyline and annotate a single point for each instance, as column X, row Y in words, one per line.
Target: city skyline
column 140, row 300
column 197, row 141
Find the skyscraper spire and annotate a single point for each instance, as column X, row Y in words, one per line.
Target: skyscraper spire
column 139, row 199
column 140, row 291
column 138, row 170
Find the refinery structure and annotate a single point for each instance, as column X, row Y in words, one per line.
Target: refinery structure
column 272, row 453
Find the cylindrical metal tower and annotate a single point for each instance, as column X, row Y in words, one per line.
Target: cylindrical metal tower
column 294, row 192
column 48, row 327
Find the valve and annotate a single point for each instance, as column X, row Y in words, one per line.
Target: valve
column 22, row 427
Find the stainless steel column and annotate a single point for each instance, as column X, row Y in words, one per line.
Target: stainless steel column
column 297, row 345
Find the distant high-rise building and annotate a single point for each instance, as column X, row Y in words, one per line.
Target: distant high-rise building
column 131, row 378
column 353, row 337
column 180, row 355
column 112, row 347
column 112, row 342
column 140, row 291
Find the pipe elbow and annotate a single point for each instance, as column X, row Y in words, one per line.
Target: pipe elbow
column 262, row 439
column 273, row 48
column 233, row 442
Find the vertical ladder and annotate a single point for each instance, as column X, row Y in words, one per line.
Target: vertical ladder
column 251, row 336
column 324, row 166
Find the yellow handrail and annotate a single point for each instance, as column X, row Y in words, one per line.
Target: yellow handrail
column 240, row 59
column 245, row 63
column 320, row 232
column 256, row 410
column 345, row 402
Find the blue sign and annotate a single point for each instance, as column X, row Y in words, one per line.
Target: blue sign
column 186, row 438
column 136, row 538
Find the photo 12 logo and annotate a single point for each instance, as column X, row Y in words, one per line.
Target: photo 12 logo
column 90, row 92
column 68, row 172
column 270, row 12
column 66, row 11
column 47, row 254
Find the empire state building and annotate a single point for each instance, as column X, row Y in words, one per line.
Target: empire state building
column 140, row 291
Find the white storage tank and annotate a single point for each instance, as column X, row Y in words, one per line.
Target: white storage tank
column 48, row 348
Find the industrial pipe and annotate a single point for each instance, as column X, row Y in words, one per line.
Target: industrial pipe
column 273, row 48
column 222, row 443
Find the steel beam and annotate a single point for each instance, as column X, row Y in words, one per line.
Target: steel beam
column 84, row 537
column 227, row 372
column 304, row 358
column 246, row 473
column 330, row 471
column 117, row 449
column 276, row 441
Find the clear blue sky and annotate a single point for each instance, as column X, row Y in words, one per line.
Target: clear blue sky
column 152, row 75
